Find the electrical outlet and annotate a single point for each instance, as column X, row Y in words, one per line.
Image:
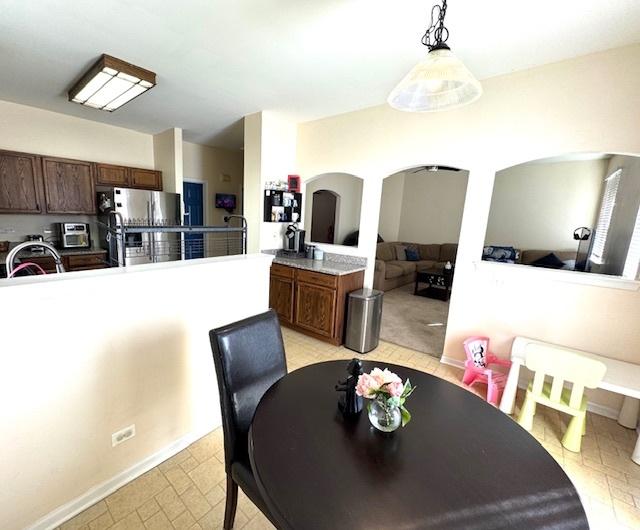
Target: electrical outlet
column 123, row 435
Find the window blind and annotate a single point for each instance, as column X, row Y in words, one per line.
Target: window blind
column 604, row 219
column 633, row 255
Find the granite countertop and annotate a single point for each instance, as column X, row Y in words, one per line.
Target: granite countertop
column 334, row 268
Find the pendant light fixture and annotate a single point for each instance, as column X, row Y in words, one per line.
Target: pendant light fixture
column 440, row 81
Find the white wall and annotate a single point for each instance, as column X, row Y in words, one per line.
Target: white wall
column 391, row 207
column 587, row 104
column 33, row 130
column 624, row 213
column 432, row 205
column 349, row 190
column 62, row 396
column 220, row 169
column 539, row 205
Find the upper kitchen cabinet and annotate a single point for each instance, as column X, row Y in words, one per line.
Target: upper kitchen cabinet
column 68, row 186
column 20, row 183
column 128, row 177
column 146, row 178
column 109, row 175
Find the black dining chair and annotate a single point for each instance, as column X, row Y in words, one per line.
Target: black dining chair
column 249, row 357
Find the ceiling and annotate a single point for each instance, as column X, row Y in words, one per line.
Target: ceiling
column 218, row 61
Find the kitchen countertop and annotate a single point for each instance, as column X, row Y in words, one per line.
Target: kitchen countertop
column 334, row 268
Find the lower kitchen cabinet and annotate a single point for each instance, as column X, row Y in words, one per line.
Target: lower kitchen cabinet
column 311, row 302
column 71, row 263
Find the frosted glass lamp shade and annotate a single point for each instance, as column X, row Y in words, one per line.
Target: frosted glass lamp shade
column 439, row 82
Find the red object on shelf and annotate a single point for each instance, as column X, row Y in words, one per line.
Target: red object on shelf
column 293, row 182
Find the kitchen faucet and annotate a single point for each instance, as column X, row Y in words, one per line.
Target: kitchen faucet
column 27, row 244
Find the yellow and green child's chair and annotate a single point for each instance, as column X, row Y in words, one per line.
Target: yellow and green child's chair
column 562, row 366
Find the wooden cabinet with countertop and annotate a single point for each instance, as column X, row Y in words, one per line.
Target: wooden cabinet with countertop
column 72, row 262
column 312, row 302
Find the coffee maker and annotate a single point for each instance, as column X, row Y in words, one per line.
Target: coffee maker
column 293, row 240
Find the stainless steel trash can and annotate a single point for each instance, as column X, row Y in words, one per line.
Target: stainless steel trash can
column 364, row 312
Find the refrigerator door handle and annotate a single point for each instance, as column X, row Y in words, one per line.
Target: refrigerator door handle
column 152, row 253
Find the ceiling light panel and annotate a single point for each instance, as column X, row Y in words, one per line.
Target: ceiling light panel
column 110, row 83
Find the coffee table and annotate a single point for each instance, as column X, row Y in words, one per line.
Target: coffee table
column 438, row 283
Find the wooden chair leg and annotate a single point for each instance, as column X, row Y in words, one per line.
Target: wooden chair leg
column 525, row 418
column 231, row 505
column 572, row 439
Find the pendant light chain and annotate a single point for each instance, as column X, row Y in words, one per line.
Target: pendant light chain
column 436, row 34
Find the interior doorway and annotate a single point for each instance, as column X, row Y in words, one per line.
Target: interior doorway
column 420, row 219
column 324, row 210
column 193, row 196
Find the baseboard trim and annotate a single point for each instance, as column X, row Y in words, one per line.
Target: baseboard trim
column 602, row 410
column 72, row 508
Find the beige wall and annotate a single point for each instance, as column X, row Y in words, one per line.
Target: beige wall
column 220, row 169
column 432, row 205
column 269, row 155
column 167, row 154
column 349, row 190
column 34, row 130
column 587, row 104
column 539, row 205
column 391, row 207
column 63, row 396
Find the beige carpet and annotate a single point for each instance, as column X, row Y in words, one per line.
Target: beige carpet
column 406, row 319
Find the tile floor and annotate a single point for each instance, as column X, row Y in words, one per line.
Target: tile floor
column 188, row 490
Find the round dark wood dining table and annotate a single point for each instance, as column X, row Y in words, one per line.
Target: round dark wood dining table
column 459, row 463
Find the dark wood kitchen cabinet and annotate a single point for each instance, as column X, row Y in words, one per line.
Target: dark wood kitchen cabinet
column 128, row 177
column 146, row 179
column 68, row 186
column 311, row 302
column 20, row 183
column 110, row 175
column 281, row 292
column 71, row 263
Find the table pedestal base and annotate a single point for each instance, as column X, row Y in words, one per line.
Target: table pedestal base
column 628, row 416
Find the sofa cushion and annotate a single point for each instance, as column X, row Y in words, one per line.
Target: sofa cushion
column 448, row 252
column 386, row 251
column 401, row 253
column 407, row 266
column 550, row 261
column 429, row 252
column 425, row 264
column 393, row 271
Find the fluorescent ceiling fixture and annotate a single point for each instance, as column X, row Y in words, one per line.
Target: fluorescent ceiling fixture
column 110, row 83
column 440, row 81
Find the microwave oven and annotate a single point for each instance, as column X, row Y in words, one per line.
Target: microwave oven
column 73, row 235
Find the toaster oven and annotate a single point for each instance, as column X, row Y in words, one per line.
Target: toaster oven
column 73, row 235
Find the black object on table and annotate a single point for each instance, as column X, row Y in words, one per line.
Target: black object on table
column 439, row 283
column 459, row 463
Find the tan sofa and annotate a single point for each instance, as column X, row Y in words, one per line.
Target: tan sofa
column 390, row 272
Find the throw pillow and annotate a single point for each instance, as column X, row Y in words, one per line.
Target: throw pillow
column 550, row 261
column 400, row 253
column 501, row 254
column 412, row 254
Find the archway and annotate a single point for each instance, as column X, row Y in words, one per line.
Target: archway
column 324, row 211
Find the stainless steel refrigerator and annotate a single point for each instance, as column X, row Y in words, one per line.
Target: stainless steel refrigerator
column 138, row 208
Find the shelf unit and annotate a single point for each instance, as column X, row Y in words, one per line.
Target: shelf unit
column 281, row 206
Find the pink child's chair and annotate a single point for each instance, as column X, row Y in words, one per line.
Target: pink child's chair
column 476, row 368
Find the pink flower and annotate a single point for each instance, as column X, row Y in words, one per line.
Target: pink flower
column 367, row 386
column 395, row 389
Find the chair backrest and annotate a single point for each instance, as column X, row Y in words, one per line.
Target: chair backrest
column 563, row 366
column 249, row 357
column 477, row 350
